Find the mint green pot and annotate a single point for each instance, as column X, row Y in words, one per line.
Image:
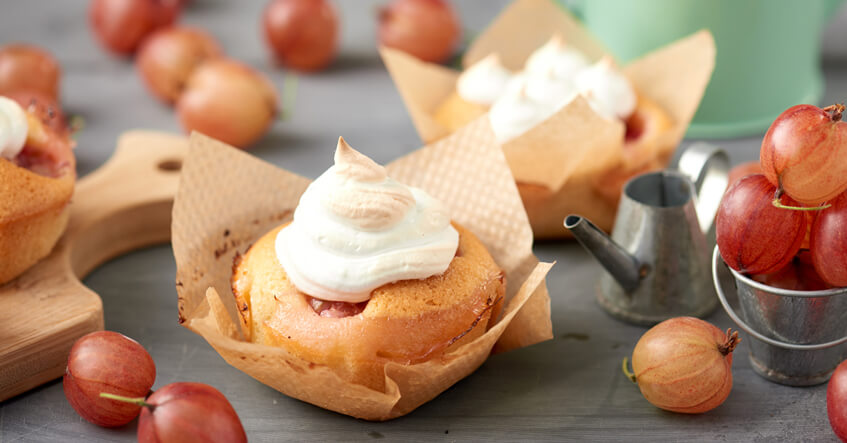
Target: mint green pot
column 768, row 52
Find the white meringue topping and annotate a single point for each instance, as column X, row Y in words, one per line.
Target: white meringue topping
column 552, row 77
column 515, row 113
column 549, row 90
column 483, row 82
column 556, row 57
column 13, row 128
column 356, row 229
column 607, row 90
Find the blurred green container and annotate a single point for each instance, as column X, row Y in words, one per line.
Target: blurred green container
column 768, row 52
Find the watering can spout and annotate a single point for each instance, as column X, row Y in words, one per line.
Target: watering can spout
column 623, row 266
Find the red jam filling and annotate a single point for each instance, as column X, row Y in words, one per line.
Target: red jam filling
column 335, row 309
column 635, row 126
column 46, row 162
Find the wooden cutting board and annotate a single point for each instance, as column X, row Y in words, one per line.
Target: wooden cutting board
column 124, row 205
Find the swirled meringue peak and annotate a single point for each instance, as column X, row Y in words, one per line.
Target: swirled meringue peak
column 607, row 90
column 484, row 81
column 556, row 57
column 357, row 229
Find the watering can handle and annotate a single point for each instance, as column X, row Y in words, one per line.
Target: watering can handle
column 707, row 166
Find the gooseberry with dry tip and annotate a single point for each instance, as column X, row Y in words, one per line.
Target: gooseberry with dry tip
column 181, row 412
column 798, row 275
column 169, row 56
column 836, row 401
column 426, row 29
column 303, row 34
column 828, row 242
column 121, row 25
column 804, row 153
column 684, row 364
column 28, row 68
column 229, row 101
column 743, row 170
column 753, row 235
column 107, row 361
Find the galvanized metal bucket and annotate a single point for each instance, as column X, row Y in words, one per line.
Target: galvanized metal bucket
column 799, row 335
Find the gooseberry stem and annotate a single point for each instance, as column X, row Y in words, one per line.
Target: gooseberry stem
column 777, row 203
column 134, row 400
column 76, row 123
column 835, row 111
column 629, row 375
column 732, row 340
column 289, row 96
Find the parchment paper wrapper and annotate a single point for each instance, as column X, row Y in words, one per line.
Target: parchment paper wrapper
column 573, row 150
column 228, row 199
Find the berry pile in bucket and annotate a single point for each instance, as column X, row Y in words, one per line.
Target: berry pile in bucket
column 783, row 227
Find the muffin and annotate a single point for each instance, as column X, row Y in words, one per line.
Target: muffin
column 37, row 175
column 553, row 76
column 368, row 272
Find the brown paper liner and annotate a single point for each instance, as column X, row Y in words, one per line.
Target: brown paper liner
column 228, row 199
column 575, row 138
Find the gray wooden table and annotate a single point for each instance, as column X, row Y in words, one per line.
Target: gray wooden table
column 569, row 388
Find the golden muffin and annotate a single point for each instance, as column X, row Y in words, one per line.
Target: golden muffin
column 552, row 76
column 35, row 189
column 407, row 322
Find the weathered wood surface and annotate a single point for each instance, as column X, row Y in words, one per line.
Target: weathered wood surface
column 569, row 388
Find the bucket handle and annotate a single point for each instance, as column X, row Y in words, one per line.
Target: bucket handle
column 747, row 328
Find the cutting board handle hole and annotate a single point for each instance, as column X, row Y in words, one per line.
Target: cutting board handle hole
column 170, row 165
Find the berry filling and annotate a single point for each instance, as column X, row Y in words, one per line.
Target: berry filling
column 49, row 162
column 635, row 126
column 46, row 152
column 335, row 309
column 340, row 309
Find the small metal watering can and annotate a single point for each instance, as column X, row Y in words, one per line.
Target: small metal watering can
column 657, row 260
